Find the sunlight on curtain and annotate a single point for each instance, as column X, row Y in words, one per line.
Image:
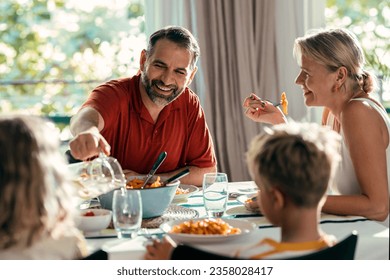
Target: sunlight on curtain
column 239, row 38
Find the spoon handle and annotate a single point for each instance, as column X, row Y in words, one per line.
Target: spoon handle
column 156, row 165
column 158, row 162
column 177, row 176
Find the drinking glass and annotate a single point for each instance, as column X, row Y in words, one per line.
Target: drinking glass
column 127, row 212
column 215, row 193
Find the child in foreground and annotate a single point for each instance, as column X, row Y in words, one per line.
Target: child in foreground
column 292, row 164
column 35, row 206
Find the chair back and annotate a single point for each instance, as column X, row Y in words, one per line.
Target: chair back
column 342, row 250
column 97, row 255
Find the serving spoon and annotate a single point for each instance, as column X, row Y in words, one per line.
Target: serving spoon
column 177, row 176
column 155, row 166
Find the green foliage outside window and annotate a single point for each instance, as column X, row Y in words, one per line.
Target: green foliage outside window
column 370, row 21
column 53, row 52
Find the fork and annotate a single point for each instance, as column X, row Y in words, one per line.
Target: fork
column 273, row 103
column 150, row 236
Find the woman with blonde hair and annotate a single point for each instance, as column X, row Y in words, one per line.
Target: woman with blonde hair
column 332, row 76
column 35, row 206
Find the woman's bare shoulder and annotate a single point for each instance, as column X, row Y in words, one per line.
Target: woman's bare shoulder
column 359, row 110
column 360, row 119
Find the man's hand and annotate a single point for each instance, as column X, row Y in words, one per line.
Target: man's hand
column 88, row 144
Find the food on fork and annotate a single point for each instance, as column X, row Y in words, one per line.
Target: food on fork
column 284, row 103
column 209, row 226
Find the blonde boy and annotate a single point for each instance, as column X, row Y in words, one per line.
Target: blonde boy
column 292, row 164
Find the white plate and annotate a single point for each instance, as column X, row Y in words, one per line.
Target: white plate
column 245, row 227
column 243, row 198
column 191, row 190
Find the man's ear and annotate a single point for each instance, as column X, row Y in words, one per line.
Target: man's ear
column 192, row 75
column 142, row 60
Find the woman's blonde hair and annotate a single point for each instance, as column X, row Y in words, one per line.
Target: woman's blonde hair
column 335, row 48
column 297, row 158
column 34, row 199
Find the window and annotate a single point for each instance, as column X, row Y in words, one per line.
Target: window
column 370, row 21
column 52, row 53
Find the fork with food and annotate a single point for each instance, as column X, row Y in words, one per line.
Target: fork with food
column 261, row 110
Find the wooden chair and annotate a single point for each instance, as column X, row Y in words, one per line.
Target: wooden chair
column 343, row 250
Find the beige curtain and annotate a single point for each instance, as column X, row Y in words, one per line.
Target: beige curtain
column 237, row 39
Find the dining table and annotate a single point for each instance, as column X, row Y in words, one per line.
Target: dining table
column 372, row 244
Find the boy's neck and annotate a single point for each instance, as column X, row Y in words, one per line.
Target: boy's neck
column 300, row 225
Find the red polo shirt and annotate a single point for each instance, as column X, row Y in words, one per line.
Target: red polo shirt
column 136, row 141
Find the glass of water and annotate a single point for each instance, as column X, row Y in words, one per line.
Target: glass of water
column 127, row 212
column 215, row 193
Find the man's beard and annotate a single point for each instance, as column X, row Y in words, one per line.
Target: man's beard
column 159, row 99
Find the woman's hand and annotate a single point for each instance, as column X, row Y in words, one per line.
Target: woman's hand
column 263, row 111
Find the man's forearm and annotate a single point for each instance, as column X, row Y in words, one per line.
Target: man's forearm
column 195, row 177
column 85, row 119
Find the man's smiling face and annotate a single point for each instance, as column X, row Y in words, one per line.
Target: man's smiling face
column 166, row 72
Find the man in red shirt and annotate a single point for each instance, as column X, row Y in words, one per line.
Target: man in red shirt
column 135, row 119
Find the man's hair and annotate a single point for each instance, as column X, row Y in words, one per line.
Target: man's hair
column 179, row 35
column 297, row 159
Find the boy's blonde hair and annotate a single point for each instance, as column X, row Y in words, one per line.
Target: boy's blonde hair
column 34, row 201
column 296, row 158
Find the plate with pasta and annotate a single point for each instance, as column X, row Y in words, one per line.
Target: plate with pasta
column 183, row 192
column 207, row 230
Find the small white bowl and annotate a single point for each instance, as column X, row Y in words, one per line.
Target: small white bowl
column 100, row 220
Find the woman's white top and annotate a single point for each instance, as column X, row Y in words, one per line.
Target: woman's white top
column 347, row 183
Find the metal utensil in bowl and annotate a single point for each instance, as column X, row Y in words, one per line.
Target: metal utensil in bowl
column 155, row 166
column 177, row 176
